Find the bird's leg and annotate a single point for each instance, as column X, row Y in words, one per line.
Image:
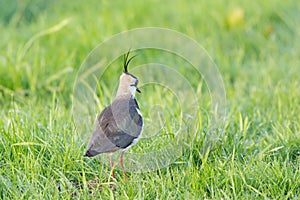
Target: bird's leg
column 111, row 165
column 121, row 163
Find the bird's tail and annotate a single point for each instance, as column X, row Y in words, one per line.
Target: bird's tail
column 89, row 154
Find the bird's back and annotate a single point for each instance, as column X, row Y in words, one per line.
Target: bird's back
column 116, row 127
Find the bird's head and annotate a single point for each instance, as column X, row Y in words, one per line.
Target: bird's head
column 128, row 82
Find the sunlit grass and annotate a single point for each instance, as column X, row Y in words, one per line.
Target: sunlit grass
column 254, row 44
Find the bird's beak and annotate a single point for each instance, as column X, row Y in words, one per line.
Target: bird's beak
column 138, row 90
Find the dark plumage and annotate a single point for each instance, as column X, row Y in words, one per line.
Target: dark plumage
column 116, row 127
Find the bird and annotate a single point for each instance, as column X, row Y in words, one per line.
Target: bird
column 119, row 125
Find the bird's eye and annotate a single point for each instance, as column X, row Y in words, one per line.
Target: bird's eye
column 134, row 84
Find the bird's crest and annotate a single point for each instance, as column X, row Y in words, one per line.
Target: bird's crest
column 127, row 61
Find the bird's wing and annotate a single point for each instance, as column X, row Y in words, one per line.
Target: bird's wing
column 99, row 142
column 116, row 127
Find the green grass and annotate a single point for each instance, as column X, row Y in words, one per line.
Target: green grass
column 42, row 46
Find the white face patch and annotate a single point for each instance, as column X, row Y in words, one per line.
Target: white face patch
column 132, row 90
column 127, row 85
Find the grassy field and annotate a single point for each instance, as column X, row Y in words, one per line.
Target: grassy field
column 256, row 47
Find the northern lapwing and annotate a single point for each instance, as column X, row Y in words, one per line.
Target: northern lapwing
column 120, row 124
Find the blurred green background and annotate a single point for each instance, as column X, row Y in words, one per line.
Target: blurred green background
column 242, row 38
column 255, row 44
